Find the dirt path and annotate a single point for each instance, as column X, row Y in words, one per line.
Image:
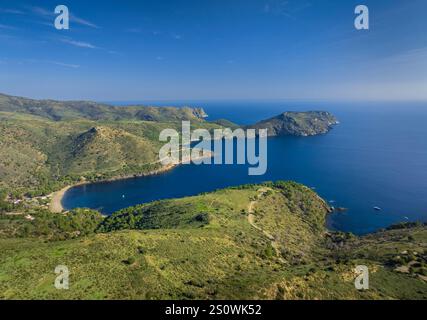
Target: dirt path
column 251, row 220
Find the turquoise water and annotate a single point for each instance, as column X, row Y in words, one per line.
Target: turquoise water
column 377, row 156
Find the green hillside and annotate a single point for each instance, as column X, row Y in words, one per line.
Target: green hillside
column 252, row 242
column 72, row 110
column 102, row 149
column 49, row 144
column 38, row 155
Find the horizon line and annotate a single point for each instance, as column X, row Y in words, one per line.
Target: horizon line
column 221, row 99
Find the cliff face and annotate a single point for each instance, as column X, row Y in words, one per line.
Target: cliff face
column 298, row 123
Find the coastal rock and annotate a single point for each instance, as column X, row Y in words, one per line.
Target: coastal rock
column 298, row 123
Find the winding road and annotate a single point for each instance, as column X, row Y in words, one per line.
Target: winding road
column 251, row 220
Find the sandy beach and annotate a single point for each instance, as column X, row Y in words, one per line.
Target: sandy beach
column 56, row 202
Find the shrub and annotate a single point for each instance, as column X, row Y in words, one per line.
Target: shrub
column 202, row 217
column 269, row 252
column 130, row 260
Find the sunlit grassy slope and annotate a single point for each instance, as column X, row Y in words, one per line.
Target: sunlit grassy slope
column 252, row 242
column 89, row 110
column 41, row 155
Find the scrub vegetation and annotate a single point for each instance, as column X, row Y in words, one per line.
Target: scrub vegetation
column 263, row 241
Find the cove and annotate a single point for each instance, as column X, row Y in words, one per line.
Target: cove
column 373, row 158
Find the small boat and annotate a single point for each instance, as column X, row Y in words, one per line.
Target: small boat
column 331, row 201
column 123, row 196
column 377, row 209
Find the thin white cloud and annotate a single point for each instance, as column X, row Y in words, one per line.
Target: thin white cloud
column 37, row 61
column 41, row 11
column 79, row 44
column 73, row 18
column 85, row 45
column 62, row 64
column 11, row 11
column 413, row 55
column 408, row 66
column 45, row 23
column 83, row 22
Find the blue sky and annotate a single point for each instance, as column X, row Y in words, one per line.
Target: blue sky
column 214, row 49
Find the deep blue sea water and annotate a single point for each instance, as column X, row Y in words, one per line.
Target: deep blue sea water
column 377, row 156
